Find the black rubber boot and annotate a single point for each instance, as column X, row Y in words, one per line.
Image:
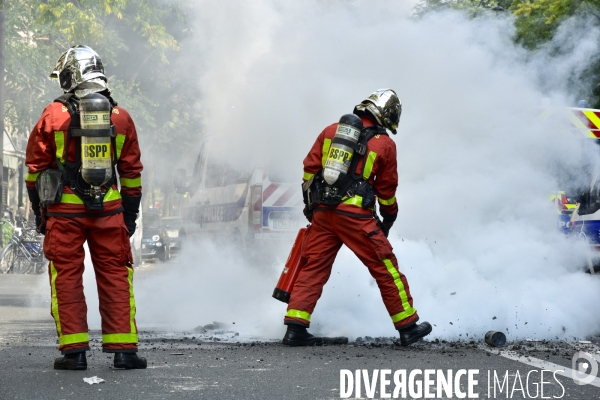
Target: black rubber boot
column 297, row 335
column 413, row 333
column 129, row 361
column 72, row 361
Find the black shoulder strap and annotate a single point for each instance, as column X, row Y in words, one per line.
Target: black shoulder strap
column 69, row 100
column 363, row 143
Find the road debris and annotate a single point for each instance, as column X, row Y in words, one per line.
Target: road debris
column 93, row 379
column 495, row 339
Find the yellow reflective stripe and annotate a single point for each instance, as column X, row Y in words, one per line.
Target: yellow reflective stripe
column 112, row 195
column 63, row 340
column 59, row 139
column 54, row 299
column 580, row 125
column 298, row 314
column 403, row 315
column 32, row 177
column 120, row 140
column 593, row 117
column 369, row 165
column 70, row 198
column 131, row 182
column 307, row 176
column 387, row 202
column 119, row 338
column 408, row 310
column 73, row 338
column 355, row 201
column 131, row 301
column 325, row 151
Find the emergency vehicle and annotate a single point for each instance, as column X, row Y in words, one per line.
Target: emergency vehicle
column 246, row 207
column 564, row 208
column 585, row 222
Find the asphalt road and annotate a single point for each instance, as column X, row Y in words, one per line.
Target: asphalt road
column 211, row 363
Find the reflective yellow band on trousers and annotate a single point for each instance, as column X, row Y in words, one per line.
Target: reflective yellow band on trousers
column 408, row 310
column 131, row 182
column 369, row 162
column 307, row 176
column 70, row 198
column 298, row 314
column 54, row 299
column 131, row 301
column 32, row 177
column 325, row 151
column 73, row 338
column 387, row 202
column 63, row 340
column 120, row 141
column 59, row 139
column 403, row 315
column 119, row 338
column 130, row 337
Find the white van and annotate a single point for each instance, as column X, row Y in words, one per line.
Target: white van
column 246, row 207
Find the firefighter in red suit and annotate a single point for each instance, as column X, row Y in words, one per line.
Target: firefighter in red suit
column 355, row 224
column 73, row 219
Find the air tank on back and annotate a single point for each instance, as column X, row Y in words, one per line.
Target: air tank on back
column 95, row 149
column 342, row 149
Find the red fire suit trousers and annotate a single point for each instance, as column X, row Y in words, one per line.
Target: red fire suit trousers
column 110, row 251
column 322, row 241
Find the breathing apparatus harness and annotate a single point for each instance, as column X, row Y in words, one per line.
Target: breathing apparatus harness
column 91, row 196
column 317, row 191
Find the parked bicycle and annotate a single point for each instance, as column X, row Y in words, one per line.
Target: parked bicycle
column 24, row 253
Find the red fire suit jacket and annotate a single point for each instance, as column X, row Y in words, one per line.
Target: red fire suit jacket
column 380, row 170
column 47, row 143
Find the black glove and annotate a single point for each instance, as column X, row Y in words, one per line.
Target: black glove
column 40, row 224
column 131, row 206
column 385, row 226
column 308, row 213
column 130, row 224
column 40, row 221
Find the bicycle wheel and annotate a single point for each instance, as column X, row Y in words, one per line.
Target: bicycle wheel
column 23, row 264
column 8, row 260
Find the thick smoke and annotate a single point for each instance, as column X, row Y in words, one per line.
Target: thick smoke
column 476, row 235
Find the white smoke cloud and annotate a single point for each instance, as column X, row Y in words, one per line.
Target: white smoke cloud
column 475, row 163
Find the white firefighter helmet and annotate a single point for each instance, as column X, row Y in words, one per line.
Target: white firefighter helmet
column 385, row 106
column 77, row 65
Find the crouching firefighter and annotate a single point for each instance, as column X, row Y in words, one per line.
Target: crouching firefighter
column 80, row 143
column 350, row 168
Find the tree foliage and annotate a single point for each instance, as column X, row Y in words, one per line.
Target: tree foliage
column 537, row 21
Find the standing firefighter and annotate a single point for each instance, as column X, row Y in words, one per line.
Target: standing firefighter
column 82, row 140
column 351, row 165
